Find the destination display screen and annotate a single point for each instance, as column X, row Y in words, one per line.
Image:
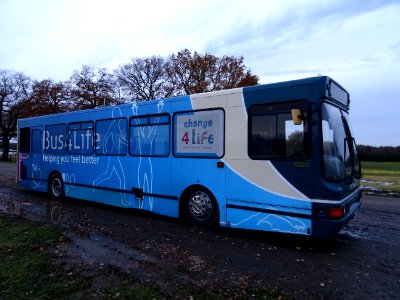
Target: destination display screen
column 338, row 93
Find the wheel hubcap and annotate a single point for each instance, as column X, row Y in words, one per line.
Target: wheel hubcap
column 200, row 205
column 56, row 187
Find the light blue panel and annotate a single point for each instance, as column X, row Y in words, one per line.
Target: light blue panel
column 165, row 207
column 100, row 196
column 88, row 176
column 37, row 185
column 36, row 176
column 268, row 222
column 198, row 171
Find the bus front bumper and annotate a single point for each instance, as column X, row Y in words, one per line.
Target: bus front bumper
column 329, row 218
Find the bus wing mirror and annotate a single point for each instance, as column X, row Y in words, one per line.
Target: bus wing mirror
column 296, row 116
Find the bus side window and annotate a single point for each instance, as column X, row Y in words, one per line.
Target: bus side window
column 150, row 136
column 55, row 139
column 24, row 140
column 111, row 137
column 80, row 138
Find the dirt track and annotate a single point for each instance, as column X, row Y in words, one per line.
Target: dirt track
column 362, row 262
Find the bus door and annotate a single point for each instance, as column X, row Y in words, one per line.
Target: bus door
column 36, row 173
column 30, row 157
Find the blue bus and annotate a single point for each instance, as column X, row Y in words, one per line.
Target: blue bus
column 276, row 157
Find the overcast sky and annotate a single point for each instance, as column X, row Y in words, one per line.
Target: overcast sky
column 356, row 42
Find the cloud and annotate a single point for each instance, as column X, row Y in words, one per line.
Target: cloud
column 310, row 39
column 53, row 38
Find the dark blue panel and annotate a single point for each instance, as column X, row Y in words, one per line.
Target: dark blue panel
column 311, row 89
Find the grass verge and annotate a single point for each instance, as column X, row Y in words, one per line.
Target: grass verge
column 26, row 268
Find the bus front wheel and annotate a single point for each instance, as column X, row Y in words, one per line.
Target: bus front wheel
column 56, row 187
column 201, row 207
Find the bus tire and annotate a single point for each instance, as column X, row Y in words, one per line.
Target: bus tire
column 56, row 187
column 201, row 208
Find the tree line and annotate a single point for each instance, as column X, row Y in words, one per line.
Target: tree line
column 381, row 154
column 141, row 79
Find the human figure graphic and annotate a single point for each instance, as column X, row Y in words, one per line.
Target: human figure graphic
column 36, row 176
column 112, row 140
column 146, row 135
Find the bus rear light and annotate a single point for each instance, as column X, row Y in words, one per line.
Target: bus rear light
column 336, row 212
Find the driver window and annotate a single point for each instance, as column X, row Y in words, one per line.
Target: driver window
column 273, row 133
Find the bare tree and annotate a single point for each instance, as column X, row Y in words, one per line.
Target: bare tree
column 144, row 79
column 180, row 72
column 14, row 95
column 230, row 72
column 92, row 87
column 47, row 97
column 118, row 94
column 203, row 73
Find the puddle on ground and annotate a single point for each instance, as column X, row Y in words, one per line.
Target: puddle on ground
column 42, row 212
column 101, row 250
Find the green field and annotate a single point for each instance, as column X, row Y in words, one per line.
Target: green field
column 381, row 175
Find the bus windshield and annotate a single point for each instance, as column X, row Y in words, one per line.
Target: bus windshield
column 339, row 149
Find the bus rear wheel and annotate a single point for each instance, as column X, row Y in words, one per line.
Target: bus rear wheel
column 56, row 187
column 201, row 208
